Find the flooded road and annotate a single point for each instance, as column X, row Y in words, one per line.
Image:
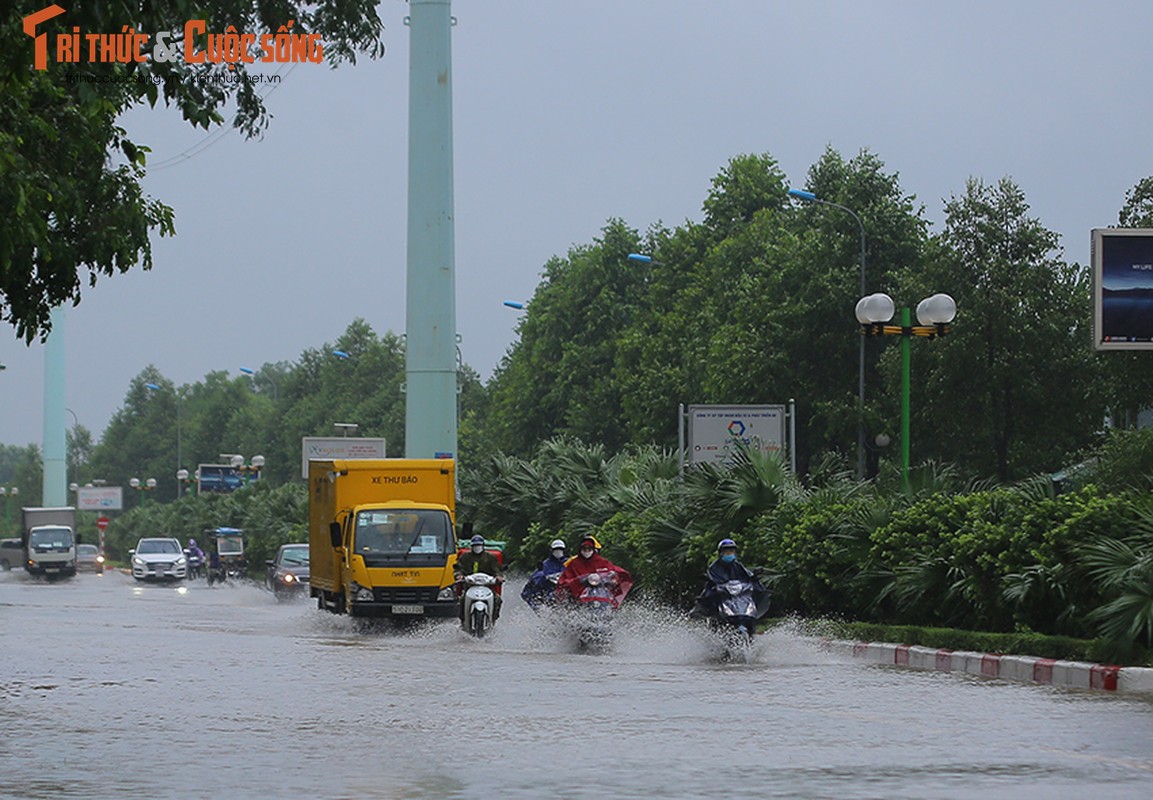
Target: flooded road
column 114, row 689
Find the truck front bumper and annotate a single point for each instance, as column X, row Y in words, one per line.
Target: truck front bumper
column 401, row 602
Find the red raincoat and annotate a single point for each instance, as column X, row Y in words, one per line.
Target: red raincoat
column 569, row 585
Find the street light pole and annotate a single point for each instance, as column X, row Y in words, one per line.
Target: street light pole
column 935, row 313
column 800, row 194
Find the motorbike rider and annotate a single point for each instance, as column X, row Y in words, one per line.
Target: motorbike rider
column 539, row 588
column 727, row 568
column 587, row 561
column 195, row 558
column 478, row 559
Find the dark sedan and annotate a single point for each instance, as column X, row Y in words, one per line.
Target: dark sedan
column 287, row 574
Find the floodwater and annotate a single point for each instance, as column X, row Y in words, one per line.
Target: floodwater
column 109, row 688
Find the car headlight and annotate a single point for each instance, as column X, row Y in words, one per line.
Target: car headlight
column 99, row 559
column 288, row 577
column 180, row 562
column 447, row 593
column 138, row 561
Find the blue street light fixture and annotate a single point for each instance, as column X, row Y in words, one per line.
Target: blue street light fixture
column 252, row 374
column 809, row 197
column 641, row 257
column 343, row 356
column 935, row 313
column 514, row 304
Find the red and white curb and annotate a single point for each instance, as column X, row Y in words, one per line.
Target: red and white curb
column 1026, row 669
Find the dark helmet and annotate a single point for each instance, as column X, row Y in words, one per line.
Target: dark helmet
column 478, row 539
column 725, row 544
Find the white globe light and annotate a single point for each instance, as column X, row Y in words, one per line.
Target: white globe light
column 940, row 309
column 874, row 308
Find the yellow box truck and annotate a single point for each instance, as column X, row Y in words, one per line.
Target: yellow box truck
column 382, row 536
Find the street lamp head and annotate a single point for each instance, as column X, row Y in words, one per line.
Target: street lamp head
column 874, row 308
column 258, row 461
column 514, row 304
column 640, row 257
column 247, row 371
column 181, row 474
column 134, row 483
column 801, row 194
column 150, row 483
column 152, row 386
column 341, row 354
column 237, row 461
column 940, row 309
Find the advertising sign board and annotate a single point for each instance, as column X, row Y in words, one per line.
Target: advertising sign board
column 336, row 447
column 1122, row 288
column 715, row 431
column 100, row 498
column 220, row 478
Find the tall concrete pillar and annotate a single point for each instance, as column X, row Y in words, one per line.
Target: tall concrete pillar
column 430, row 323
column 55, row 488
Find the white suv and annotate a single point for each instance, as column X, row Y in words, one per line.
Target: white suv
column 158, row 560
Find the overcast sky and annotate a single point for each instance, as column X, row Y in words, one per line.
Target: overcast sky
column 566, row 114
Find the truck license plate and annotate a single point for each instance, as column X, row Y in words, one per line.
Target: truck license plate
column 408, row 609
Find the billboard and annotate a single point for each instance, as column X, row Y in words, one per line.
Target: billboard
column 100, row 498
column 326, row 448
column 714, row 431
column 1122, row 260
column 220, row 478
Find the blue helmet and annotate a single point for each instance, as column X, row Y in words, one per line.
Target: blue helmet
column 478, row 539
column 725, row 543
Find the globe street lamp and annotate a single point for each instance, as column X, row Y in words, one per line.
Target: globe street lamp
column 252, row 468
column 809, row 197
column 182, row 478
column 935, row 313
column 148, row 485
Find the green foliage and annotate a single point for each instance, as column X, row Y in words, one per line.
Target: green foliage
column 269, row 515
column 62, row 153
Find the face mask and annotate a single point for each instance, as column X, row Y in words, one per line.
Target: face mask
column 729, row 558
column 558, row 553
column 478, row 548
column 587, row 552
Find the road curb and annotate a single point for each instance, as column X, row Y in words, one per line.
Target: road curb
column 1023, row 669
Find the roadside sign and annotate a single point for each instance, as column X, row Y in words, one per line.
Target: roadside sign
column 102, row 524
column 337, row 447
column 715, row 431
column 100, row 498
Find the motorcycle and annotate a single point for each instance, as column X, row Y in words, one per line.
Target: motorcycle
column 593, row 610
column 737, row 609
column 540, row 591
column 195, row 565
column 478, row 603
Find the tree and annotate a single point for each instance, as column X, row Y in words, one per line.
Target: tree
column 70, row 177
column 1012, row 390
column 1138, row 209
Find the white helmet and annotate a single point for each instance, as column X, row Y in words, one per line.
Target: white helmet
column 557, row 544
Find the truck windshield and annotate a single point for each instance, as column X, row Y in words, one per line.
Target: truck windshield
column 51, row 537
column 402, row 532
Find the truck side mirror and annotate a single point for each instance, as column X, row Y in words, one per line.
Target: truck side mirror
column 334, row 534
